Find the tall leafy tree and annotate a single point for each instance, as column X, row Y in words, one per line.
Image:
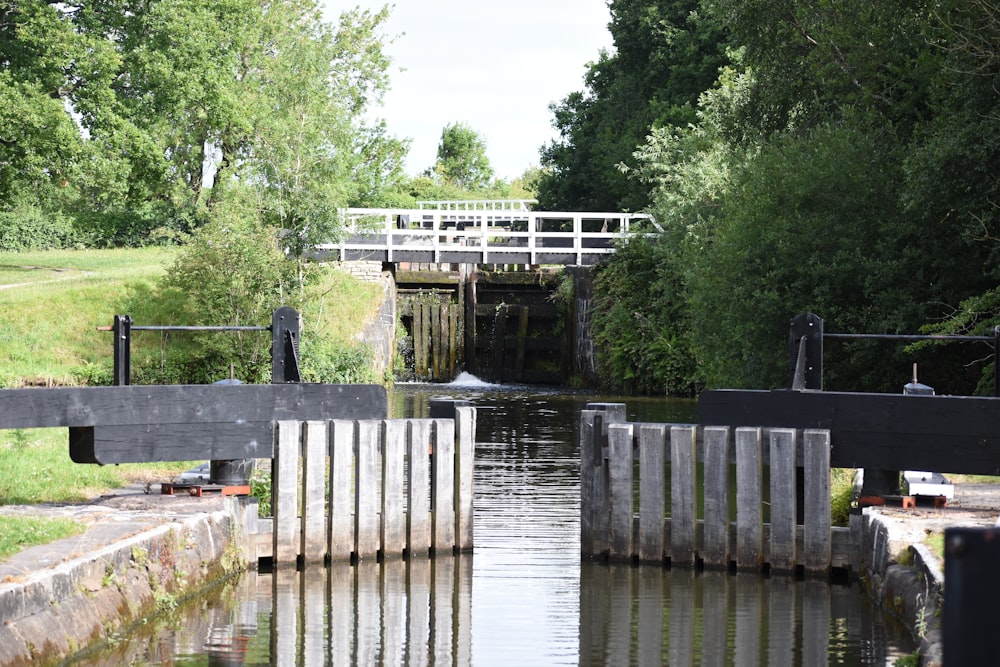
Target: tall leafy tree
column 175, row 100
column 462, row 159
column 667, row 52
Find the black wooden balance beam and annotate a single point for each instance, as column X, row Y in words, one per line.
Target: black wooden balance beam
column 956, row 434
column 148, row 423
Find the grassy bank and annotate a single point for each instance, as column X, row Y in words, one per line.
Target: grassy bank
column 54, row 303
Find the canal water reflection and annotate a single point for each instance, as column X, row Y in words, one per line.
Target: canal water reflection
column 523, row 597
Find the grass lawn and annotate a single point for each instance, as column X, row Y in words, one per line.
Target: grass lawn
column 53, row 303
column 36, row 468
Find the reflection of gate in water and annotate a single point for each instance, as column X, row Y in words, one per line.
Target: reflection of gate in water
column 415, row 612
column 647, row 616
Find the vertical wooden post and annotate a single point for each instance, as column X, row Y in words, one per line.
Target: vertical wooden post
column 522, row 341
column 715, row 547
column 418, row 517
column 454, row 338
column 438, row 338
column 782, row 556
column 594, row 498
column 393, row 518
column 465, row 425
column 471, row 301
column 285, row 490
column 652, row 490
column 341, row 505
column 682, row 498
column 419, row 354
column 315, row 443
column 366, row 501
column 620, row 486
column 500, row 342
column 749, row 510
column 443, row 491
column 816, row 540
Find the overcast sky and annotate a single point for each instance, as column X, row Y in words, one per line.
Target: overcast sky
column 495, row 66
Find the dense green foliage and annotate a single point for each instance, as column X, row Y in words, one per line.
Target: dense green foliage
column 844, row 162
column 461, row 158
column 124, row 122
column 666, row 54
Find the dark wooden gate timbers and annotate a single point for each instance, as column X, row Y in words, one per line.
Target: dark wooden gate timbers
column 141, row 424
column 956, row 434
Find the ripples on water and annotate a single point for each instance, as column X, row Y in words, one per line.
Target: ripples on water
column 523, row 598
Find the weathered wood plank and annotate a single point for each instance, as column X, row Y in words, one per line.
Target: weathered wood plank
column 817, row 540
column 418, row 516
column 595, row 514
column 443, row 489
column 715, row 542
column 620, row 483
column 465, row 427
column 590, row 478
column 782, row 551
column 152, row 443
column 139, row 423
column 393, row 515
column 882, row 431
column 652, row 490
column 185, row 404
column 749, row 513
column 315, row 444
column 367, row 501
column 285, row 481
column 682, row 498
column 341, row 506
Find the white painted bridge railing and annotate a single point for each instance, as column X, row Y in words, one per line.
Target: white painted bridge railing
column 481, row 236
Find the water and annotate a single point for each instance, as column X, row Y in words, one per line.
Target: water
column 524, row 597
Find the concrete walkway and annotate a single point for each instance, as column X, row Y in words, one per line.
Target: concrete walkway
column 906, row 575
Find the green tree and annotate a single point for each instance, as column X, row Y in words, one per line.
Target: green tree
column 842, row 164
column 667, row 52
column 461, row 158
column 176, row 101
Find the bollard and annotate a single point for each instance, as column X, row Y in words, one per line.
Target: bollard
column 230, row 472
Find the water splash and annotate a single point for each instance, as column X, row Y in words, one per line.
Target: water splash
column 469, row 380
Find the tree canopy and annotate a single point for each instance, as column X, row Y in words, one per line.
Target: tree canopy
column 135, row 116
column 844, row 161
column 666, row 54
